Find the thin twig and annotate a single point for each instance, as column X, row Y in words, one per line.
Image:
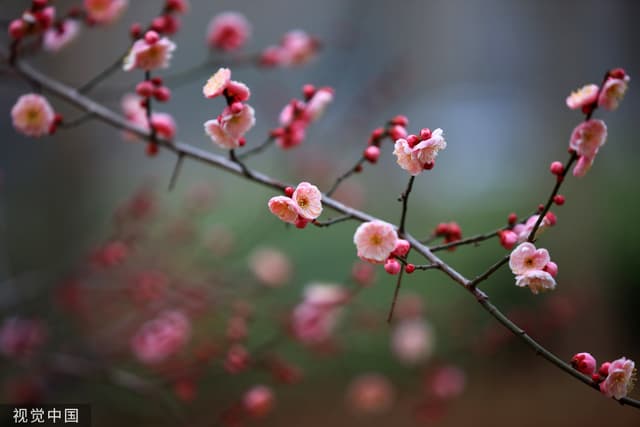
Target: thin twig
column 176, row 171
column 495, row 267
column 103, row 75
column 355, row 168
column 77, row 121
column 395, row 296
column 332, row 221
column 257, row 149
column 405, row 200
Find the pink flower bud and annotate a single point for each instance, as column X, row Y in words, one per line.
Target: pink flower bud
column 402, row 248
column 258, row 401
column 151, row 37
column 397, row 132
column 604, row 369
column 409, row 268
column 162, row 93
column 400, row 120
column 584, row 362
column 412, row 140
column 425, row 134
column 236, row 107
column 16, row 29
column 145, row 89
column 508, row 239
column 556, row 168
column 558, row 199
column 392, row 266
column 551, row 268
column 512, row 218
column 371, row 153
column 551, row 218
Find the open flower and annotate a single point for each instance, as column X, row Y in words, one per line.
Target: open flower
column 586, row 140
column 228, row 31
column 537, row 281
column 612, row 92
column 427, row 150
column 32, row 115
column 284, row 208
column 104, row 11
column 415, row 157
column 149, row 56
column 59, row 36
column 217, row 83
column 619, row 381
column 582, row 97
column 308, row 198
column 375, row 240
column 526, row 258
column 228, row 129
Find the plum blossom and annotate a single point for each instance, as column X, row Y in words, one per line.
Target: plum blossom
column 217, row 83
column 375, row 240
column 419, row 153
column 370, row 393
column 582, row 97
column 149, row 53
column 315, row 318
column 104, row 11
column 297, row 115
column 258, row 401
column 229, row 128
column 59, row 36
column 585, row 363
column 32, row 115
column 308, row 198
column 161, row 337
column 412, row 341
column 586, row 139
column 537, row 281
column 163, row 123
column 613, row 92
column 228, row 31
column 522, row 231
column 526, row 258
column 284, row 208
column 270, row 266
column 296, row 48
column 305, row 204
column 620, row 379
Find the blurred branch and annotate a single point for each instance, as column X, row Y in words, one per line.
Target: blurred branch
column 106, row 115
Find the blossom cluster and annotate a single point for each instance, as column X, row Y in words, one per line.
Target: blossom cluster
column 297, row 115
column 298, row 206
column 533, row 268
column 229, row 128
column 418, row 152
column 615, row 379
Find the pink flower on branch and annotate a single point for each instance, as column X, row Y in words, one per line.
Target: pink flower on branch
column 32, row 115
column 537, row 281
column 613, row 92
column 375, row 240
column 583, row 97
column 304, row 204
column 228, row 130
column 228, row 31
column 526, row 258
column 295, row 49
column 104, row 11
column 60, row 35
column 620, row 378
column 417, row 153
column 586, row 140
column 149, row 53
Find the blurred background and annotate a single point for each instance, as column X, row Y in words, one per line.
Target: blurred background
column 493, row 74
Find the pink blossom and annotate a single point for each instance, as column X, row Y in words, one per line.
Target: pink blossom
column 20, row 338
column 318, row 103
column 508, row 239
column 405, row 158
column 163, row 123
column 217, row 83
column 447, row 382
column 585, row 363
column 613, row 92
column 61, row 35
column 309, row 200
column 228, row 31
column 414, row 158
column 296, row 48
column 412, row 341
column 375, row 240
column 161, row 337
column 524, row 230
column 229, row 127
column 315, row 318
column 582, row 97
column 32, row 115
column 526, row 258
column 284, row 208
column 536, row 280
column 588, row 137
column 370, row 394
column 149, row 56
column 238, row 91
column 619, row 381
column 104, row 11
column 582, row 166
column 270, row 266
column 426, row 151
column 258, row 401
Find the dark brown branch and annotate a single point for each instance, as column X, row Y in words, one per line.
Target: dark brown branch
column 257, row 149
column 103, row 75
column 332, row 221
column 395, row 296
column 495, row 267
